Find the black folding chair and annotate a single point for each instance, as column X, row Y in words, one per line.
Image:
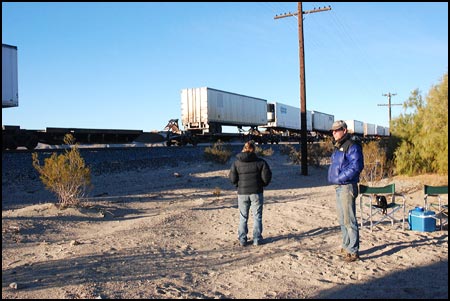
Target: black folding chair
column 375, row 214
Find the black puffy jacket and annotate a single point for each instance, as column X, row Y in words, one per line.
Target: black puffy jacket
column 250, row 173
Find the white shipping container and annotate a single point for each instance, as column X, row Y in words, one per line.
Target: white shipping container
column 203, row 107
column 370, row 129
column 287, row 117
column 322, row 121
column 355, row 126
column 381, row 130
column 10, row 94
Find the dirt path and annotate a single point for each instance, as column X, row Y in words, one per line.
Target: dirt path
column 154, row 234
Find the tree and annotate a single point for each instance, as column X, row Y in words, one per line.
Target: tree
column 423, row 133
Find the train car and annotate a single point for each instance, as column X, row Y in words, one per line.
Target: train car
column 10, row 86
column 205, row 110
column 355, row 127
column 370, row 129
column 382, row 131
column 322, row 122
column 14, row 137
column 286, row 118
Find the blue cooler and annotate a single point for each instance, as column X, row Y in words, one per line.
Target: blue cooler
column 421, row 220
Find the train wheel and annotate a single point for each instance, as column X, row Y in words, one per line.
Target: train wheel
column 32, row 142
column 9, row 143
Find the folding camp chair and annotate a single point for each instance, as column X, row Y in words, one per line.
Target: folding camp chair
column 375, row 213
column 441, row 207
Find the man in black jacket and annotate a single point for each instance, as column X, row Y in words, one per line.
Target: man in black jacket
column 250, row 174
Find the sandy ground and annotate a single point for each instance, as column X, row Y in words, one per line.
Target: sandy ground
column 172, row 233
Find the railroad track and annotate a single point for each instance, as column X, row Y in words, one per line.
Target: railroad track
column 17, row 164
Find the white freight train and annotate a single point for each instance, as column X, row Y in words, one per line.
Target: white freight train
column 204, row 112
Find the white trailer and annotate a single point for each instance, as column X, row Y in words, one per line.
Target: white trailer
column 370, row 129
column 382, row 131
column 206, row 110
column 355, row 127
column 282, row 116
column 322, row 122
column 10, row 94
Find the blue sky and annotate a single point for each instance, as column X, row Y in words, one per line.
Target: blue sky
column 123, row 65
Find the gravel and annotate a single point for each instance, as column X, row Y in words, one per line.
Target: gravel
column 17, row 166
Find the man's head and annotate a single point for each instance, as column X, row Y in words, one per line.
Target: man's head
column 249, row 147
column 339, row 129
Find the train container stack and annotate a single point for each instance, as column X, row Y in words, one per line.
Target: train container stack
column 205, row 110
column 355, row 127
column 285, row 117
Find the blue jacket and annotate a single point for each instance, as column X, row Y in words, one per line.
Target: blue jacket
column 347, row 162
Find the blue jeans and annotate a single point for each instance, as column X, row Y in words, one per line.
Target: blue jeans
column 255, row 201
column 346, row 210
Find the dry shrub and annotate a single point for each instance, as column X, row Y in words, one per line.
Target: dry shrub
column 263, row 152
column 317, row 153
column 376, row 165
column 217, row 191
column 219, row 152
column 290, row 151
column 66, row 174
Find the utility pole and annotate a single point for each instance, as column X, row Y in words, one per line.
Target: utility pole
column 389, row 104
column 303, row 139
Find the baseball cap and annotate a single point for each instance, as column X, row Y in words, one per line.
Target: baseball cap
column 338, row 124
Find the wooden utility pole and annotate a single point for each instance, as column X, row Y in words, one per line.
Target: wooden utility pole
column 389, row 104
column 304, row 138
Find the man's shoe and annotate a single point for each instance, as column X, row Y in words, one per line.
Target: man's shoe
column 242, row 243
column 350, row 257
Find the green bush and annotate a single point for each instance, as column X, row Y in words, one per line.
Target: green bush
column 66, row 174
column 422, row 132
column 219, row 152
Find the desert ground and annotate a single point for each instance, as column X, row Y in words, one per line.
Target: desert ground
column 171, row 232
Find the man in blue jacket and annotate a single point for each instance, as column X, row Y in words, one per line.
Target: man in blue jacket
column 250, row 175
column 347, row 162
